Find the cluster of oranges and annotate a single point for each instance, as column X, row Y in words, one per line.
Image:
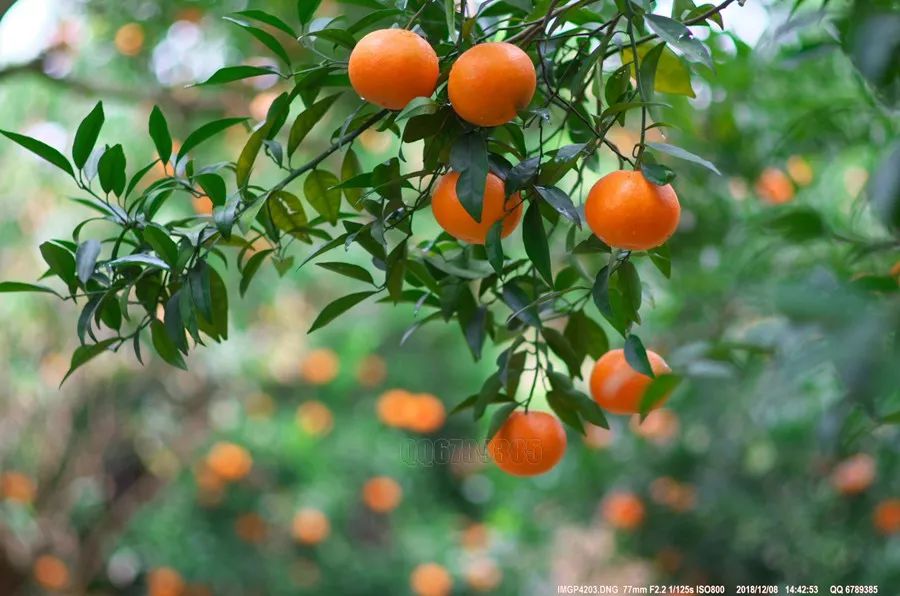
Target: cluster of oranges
column 488, row 85
column 418, row 412
column 531, row 443
column 853, row 476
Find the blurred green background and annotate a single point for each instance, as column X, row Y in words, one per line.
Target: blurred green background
column 767, row 466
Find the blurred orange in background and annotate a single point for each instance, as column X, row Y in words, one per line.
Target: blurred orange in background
column 51, row 573
column 382, row 494
column 887, row 516
column 854, row 474
column 430, row 579
column 15, row 486
column 229, row 462
column 129, row 39
column 165, row 581
column 371, row 371
column 320, row 367
column 314, row 418
column 310, row 526
column 251, row 528
column 773, row 186
column 623, row 510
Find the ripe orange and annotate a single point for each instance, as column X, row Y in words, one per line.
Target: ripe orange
column 390, row 67
column 483, row 575
column 626, row 210
column 660, row 426
column 310, row 526
column 228, row 461
column 426, row 413
column 490, row 83
column 165, row 581
column 773, row 186
column 314, row 418
column 597, row 437
column 130, row 39
column 887, row 516
column 51, row 573
column 430, row 579
column 623, row 510
column 371, row 371
column 15, row 486
column 251, row 528
column 528, row 444
column 617, row 387
column 382, row 494
column 854, row 474
column 456, row 221
column 392, row 407
column 320, row 367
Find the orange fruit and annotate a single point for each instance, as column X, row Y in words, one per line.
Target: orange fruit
column 165, row 581
column 660, row 426
column 895, row 270
column 251, row 528
column 854, row 474
column 490, row 83
column 483, row 575
column 626, row 210
column 597, row 437
column 310, row 526
column 130, row 39
column 228, row 461
column 15, row 486
column 314, row 418
column 203, row 205
column 51, row 573
column 617, row 387
column 887, row 516
column 371, row 371
column 800, row 170
column 426, row 413
column 528, row 444
column 382, row 494
column 456, row 221
column 430, row 579
column 392, row 407
column 390, row 67
column 774, row 187
column 475, row 537
column 678, row 496
column 623, row 510
column 320, row 367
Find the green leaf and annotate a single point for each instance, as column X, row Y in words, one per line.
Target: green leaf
column 685, row 155
column 306, row 9
column 307, row 119
column 287, row 213
column 561, row 202
column 494, row 247
column 217, row 327
column 561, row 405
column 61, row 263
column 518, row 301
column 419, row 106
column 799, row 224
column 139, row 259
column 490, row 389
column 469, row 158
column 159, row 132
column 214, row 187
column 585, row 335
column 662, row 259
column 630, row 285
column 319, row 191
column 164, row 345
column 268, row 19
column 522, row 174
column 636, row 356
column 562, row 348
column 337, row 308
column 349, row 270
column 87, row 135
column 206, row 132
column 350, row 168
column 648, row 65
column 658, row 389
column 265, row 38
column 158, row 239
column 251, row 267
column 86, row 259
column 17, row 286
column 672, row 75
column 499, row 417
column 86, row 353
column 535, row 239
column 450, row 16
column 658, row 174
column 41, row 149
column 111, row 170
column 679, row 37
column 230, row 74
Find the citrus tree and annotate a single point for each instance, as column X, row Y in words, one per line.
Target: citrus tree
column 503, row 111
